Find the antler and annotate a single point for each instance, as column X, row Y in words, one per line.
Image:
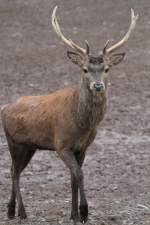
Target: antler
column 105, row 47
column 126, row 37
column 69, row 42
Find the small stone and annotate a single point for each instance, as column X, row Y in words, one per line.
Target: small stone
column 112, row 218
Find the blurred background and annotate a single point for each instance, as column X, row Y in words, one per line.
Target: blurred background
column 33, row 61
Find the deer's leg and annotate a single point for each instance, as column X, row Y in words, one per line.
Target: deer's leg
column 12, row 201
column 21, row 156
column 28, row 153
column 74, row 187
column 21, row 209
column 70, row 160
column 83, row 205
column 83, row 202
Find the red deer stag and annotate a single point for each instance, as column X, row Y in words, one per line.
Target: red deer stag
column 65, row 121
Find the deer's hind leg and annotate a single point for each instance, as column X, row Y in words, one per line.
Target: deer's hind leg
column 21, row 155
column 12, row 201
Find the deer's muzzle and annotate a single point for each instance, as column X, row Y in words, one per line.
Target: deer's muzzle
column 99, row 86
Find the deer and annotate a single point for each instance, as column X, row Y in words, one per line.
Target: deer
column 65, row 121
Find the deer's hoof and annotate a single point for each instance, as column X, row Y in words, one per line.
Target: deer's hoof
column 11, row 215
column 11, row 211
column 22, row 214
column 83, row 213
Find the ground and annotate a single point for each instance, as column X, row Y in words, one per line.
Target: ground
column 33, row 61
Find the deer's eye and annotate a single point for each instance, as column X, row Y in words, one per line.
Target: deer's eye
column 106, row 69
column 85, row 69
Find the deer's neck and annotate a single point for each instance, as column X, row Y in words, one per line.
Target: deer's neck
column 91, row 106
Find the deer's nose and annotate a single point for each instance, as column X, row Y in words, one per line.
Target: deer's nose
column 99, row 86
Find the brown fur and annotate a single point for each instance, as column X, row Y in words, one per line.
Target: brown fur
column 62, row 119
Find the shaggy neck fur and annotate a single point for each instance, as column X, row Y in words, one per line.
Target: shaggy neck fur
column 91, row 106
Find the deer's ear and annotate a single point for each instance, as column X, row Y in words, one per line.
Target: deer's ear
column 75, row 58
column 116, row 58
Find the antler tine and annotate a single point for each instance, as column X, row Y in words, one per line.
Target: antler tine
column 105, row 47
column 126, row 37
column 57, row 29
column 87, row 47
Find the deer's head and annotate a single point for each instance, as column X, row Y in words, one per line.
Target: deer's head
column 95, row 68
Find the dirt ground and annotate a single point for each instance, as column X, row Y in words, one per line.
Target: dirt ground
column 33, row 61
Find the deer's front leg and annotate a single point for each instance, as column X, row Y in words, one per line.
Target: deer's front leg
column 83, row 202
column 74, row 187
column 76, row 180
